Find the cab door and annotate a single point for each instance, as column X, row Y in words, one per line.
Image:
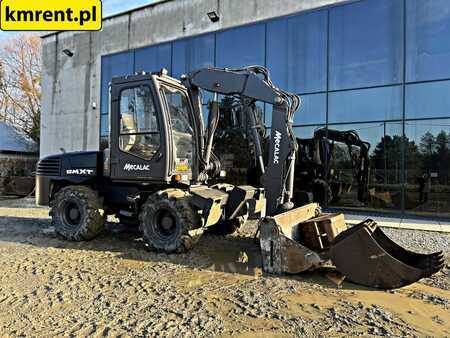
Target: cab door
column 182, row 129
column 138, row 134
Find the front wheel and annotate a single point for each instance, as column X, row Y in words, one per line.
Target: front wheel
column 77, row 213
column 166, row 219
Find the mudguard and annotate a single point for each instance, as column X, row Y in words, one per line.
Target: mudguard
column 366, row 256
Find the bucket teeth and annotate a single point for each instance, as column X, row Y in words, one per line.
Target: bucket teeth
column 435, row 263
column 363, row 253
column 367, row 256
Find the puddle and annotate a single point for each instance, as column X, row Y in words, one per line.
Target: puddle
column 236, row 255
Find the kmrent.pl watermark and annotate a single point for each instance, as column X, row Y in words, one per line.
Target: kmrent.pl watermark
column 83, row 16
column 51, row 15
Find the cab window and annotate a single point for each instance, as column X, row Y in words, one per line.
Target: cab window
column 139, row 127
column 182, row 130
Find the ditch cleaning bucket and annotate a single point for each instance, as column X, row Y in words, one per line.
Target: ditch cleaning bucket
column 366, row 256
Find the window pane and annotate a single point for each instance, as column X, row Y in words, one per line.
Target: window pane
column 104, row 125
column 297, row 52
column 306, row 132
column 138, row 114
column 385, row 167
column 428, row 47
column 428, row 167
column 182, row 131
column 114, row 65
column 428, row 100
column 313, row 110
column 239, row 47
column 375, row 104
column 193, row 54
column 145, row 146
column 153, row 58
column 206, row 98
column 366, row 44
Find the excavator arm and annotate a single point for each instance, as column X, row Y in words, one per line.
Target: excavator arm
column 249, row 85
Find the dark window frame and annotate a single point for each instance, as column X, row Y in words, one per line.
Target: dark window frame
column 140, row 133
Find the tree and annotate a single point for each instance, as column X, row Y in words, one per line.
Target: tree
column 427, row 143
column 387, row 156
column 20, row 84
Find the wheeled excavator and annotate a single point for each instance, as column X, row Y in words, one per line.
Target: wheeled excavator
column 314, row 166
column 160, row 160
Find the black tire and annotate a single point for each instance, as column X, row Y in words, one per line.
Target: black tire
column 77, row 213
column 166, row 219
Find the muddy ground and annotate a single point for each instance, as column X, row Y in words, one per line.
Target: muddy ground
column 113, row 287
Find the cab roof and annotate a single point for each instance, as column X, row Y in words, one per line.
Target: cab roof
column 161, row 75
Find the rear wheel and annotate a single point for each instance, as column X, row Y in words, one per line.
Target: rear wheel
column 77, row 213
column 166, row 219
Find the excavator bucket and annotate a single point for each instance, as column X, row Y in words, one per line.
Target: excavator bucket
column 279, row 240
column 366, row 256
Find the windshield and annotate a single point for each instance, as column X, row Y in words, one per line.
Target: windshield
column 182, row 130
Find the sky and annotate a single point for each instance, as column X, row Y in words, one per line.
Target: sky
column 109, row 7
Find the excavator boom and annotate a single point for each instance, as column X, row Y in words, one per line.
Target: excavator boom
column 253, row 84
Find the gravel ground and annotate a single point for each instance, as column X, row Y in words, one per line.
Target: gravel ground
column 425, row 242
column 113, row 287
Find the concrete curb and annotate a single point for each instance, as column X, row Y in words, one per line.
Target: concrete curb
column 403, row 223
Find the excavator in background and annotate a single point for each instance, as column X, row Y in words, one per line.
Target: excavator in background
column 158, row 171
column 317, row 180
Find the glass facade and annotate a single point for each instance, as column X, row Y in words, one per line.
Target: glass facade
column 366, row 46
column 427, row 47
column 154, row 57
column 240, row 47
column 380, row 67
column 112, row 65
column 297, row 52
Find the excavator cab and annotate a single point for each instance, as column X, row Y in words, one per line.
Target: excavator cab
column 153, row 130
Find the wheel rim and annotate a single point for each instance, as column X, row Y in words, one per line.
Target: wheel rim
column 166, row 223
column 71, row 213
